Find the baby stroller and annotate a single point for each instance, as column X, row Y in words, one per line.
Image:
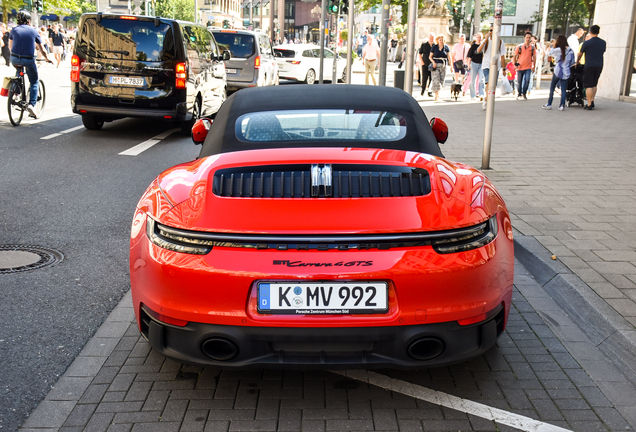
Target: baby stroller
column 574, row 92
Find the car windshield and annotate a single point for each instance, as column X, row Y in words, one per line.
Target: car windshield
column 119, row 39
column 240, row 45
column 323, row 125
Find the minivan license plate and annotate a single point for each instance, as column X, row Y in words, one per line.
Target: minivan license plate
column 120, row 80
column 322, row 298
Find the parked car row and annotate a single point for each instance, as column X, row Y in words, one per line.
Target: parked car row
column 155, row 67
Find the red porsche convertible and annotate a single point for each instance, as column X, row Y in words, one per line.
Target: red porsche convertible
column 321, row 226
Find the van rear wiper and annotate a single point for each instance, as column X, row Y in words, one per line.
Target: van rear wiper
column 115, row 52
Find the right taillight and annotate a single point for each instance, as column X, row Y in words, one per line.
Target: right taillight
column 76, row 65
column 180, row 75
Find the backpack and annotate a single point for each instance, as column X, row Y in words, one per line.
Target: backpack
column 531, row 50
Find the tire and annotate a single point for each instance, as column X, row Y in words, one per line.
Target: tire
column 39, row 105
column 92, row 122
column 14, row 105
column 343, row 78
column 311, row 76
column 186, row 126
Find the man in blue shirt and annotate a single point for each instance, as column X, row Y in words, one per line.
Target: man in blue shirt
column 593, row 48
column 22, row 41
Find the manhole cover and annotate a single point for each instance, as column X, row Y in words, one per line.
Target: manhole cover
column 19, row 258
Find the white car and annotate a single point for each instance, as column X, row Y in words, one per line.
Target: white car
column 301, row 62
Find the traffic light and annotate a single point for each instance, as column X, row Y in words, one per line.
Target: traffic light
column 344, row 7
column 39, row 6
column 226, row 23
column 332, row 7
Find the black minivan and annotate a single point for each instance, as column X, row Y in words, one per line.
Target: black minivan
column 137, row 66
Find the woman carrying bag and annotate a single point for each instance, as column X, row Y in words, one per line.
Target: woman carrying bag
column 563, row 61
column 439, row 58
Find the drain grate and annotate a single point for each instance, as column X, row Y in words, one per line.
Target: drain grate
column 21, row 258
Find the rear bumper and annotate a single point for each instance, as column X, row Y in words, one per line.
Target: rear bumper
column 414, row 346
column 179, row 113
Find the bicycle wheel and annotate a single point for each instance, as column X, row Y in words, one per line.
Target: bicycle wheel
column 15, row 105
column 39, row 105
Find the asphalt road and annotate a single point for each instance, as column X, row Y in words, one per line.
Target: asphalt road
column 75, row 194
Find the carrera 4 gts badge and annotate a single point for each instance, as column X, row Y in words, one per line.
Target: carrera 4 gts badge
column 289, row 263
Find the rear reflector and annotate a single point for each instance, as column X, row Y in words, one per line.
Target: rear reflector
column 167, row 117
column 257, row 62
column 166, row 319
column 472, row 320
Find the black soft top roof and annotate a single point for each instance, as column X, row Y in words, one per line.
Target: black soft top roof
column 419, row 136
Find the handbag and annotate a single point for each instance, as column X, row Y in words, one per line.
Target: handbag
column 459, row 64
column 506, row 88
column 431, row 67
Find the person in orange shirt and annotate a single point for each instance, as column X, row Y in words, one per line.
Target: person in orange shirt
column 524, row 60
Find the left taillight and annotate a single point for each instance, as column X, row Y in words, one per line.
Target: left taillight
column 180, row 75
column 76, row 65
column 257, row 62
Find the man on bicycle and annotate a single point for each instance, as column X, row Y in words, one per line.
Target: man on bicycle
column 23, row 40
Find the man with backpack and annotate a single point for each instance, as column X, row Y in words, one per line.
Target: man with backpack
column 524, row 60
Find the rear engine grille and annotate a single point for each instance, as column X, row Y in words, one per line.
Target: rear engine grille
column 347, row 181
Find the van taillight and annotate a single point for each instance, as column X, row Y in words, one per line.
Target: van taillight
column 76, row 65
column 180, row 75
column 257, row 62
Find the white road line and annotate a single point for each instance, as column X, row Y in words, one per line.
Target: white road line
column 139, row 148
column 51, row 136
column 72, row 129
column 449, row 401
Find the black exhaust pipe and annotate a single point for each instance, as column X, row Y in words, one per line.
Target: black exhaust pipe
column 219, row 349
column 426, row 348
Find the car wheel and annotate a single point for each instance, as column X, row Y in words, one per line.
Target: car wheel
column 186, row 126
column 311, row 76
column 343, row 78
column 92, row 122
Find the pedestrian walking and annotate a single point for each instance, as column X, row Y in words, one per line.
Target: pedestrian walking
column 594, row 48
column 573, row 40
column 563, row 61
column 475, row 60
column 370, row 55
column 458, row 58
column 524, row 60
column 393, row 48
column 439, row 58
column 487, row 48
column 57, row 43
column 4, row 42
column 424, row 56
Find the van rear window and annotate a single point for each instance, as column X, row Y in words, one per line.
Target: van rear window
column 118, row 39
column 240, row 45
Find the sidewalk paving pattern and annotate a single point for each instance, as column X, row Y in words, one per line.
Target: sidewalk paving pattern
column 569, row 182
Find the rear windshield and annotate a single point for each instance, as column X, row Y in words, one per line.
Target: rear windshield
column 285, row 53
column 322, row 125
column 240, row 45
column 119, row 39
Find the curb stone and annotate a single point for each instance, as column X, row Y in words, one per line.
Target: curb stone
column 605, row 327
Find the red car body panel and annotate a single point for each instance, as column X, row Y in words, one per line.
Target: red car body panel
column 419, row 287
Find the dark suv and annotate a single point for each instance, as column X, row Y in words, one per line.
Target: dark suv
column 136, row 66
column 253, row 63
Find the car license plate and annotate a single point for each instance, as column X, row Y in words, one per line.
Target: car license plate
column 232, row 71
column 120, row 80
column 322, row 298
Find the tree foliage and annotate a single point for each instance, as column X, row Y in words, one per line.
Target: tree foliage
column 363, row 5
column 177, row 9
column 455, row 9
column 58, row 7
column 563, row 13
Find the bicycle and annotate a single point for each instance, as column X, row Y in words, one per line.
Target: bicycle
column 19, row 98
